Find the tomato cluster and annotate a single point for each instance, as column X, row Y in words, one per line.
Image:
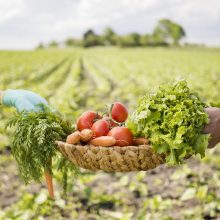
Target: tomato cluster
column 112, row 125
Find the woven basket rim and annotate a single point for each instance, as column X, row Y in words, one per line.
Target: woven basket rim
column 132, row 147
column 114, row 158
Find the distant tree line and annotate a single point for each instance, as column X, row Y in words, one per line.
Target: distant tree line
column 165, row 33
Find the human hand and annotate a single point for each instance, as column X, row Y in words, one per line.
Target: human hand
column 213, row 127
column 23, row 100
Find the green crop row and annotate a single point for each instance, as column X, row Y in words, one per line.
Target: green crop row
column 75, row 80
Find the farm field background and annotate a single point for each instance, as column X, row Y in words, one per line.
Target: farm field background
column 75, row 80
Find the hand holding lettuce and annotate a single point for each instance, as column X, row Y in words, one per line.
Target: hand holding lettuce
column 173, row 120
column 213, row 127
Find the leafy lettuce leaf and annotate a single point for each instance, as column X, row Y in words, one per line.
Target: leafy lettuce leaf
column 173, row 119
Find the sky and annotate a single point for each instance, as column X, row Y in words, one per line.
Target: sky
column 26, row 23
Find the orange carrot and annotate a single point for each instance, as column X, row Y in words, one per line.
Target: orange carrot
column 140, row 141
column 104, row 141
column 73, row 138
column 49, row 181
column 86, row 135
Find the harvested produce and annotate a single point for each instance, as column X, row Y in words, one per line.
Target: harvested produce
column 33, row 144
column 87, row 119
column 73, row 138
column 86, row 135
column 123, row 136
column 119, row 112
column 103, row 131
column 49, row 180
column 110, row 121
column 140, row 141
column 100, row 128
column 172, row 119
column 104, row 141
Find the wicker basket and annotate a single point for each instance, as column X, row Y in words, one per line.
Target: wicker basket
column 111, row 159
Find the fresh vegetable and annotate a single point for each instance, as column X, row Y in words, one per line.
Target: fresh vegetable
column 173, row 119
column 123, row 136
column 110, row 121
column 100, row 128
column 140, row 141
column 73, row 138
column 49, row 181
column 119, row 112
column 103, row 141
column 86, row 135
column 86, row 120
column 33, row 143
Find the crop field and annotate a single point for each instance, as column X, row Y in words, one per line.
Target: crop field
column 75, row 80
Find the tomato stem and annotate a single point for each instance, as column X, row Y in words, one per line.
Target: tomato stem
column 111, row 107
column 111, row 119
column 96, row 117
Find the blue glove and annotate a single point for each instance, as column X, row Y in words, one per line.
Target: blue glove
column 23, row 100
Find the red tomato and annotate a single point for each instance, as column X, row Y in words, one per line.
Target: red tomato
column 110, row 121
column 123, row 136
column 86, row 120
column 100, row 128
column 119, row 112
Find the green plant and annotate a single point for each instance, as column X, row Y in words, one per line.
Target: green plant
column 33, row 144
column 173, row 119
